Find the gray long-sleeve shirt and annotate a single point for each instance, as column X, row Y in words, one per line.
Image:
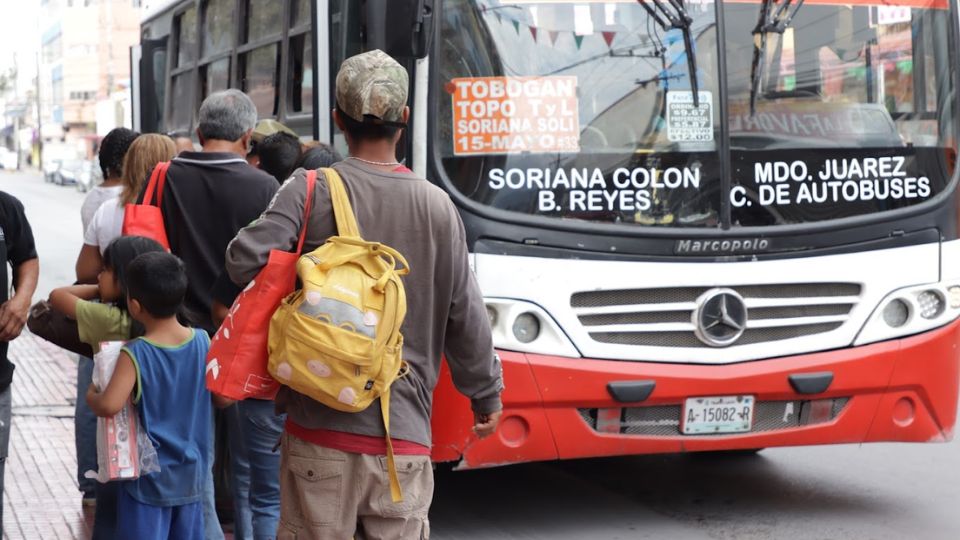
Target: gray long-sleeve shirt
column 445, row 310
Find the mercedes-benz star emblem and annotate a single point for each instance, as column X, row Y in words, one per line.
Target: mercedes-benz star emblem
column 720, row 317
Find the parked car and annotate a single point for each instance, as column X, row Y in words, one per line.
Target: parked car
column 68, row 171
column 50, row 168
column 89, row 175
column 8, row 159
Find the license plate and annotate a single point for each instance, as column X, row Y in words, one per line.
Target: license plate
column 717, row 414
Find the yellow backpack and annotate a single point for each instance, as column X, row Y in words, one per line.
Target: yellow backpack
column 337, row 340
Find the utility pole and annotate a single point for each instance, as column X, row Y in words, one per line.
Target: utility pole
column 39, row 163
column 16, row 119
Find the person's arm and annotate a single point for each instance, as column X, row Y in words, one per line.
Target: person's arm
column 65, row 299
column 13, row 312
column 223, row 292
column 109, row 402
column 468, row 344
column 277, row 228
column 22, row 256
column 89, row 264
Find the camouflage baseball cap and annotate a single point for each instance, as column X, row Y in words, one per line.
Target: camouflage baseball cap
column 372, row 85
column 267, row 127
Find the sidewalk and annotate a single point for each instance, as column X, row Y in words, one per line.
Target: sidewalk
column 40, row 497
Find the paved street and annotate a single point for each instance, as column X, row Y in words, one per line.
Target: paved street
column 874, row 492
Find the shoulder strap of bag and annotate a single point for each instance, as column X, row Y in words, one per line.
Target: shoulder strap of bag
column 395, row 493
column 307, row 206
column 157, row 179
column 342, row 211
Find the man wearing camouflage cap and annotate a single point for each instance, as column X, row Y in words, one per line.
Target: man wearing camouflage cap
column 333, row 475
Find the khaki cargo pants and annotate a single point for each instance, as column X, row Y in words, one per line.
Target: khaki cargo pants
column 327, row 494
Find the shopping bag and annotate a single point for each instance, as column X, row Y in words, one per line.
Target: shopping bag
column 145, row 219
column 124, row 450
column 237, row 361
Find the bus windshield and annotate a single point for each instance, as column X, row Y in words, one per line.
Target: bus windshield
column 586, row 110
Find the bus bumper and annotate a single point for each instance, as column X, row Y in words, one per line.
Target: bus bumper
column 900, row 390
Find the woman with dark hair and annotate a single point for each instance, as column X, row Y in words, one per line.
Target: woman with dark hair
column 113, row 148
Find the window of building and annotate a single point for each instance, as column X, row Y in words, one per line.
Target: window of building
column 86, row 95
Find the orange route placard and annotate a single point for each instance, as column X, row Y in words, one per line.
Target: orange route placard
column 507, row 115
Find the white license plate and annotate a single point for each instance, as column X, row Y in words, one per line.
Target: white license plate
column 717, row 414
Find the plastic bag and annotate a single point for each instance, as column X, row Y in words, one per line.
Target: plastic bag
column 124, row 451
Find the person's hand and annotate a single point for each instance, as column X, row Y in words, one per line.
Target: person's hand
column 13, row 317
column 91, row 392
column 485, row 424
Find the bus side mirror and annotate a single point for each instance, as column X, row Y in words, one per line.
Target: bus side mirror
column 400, row 28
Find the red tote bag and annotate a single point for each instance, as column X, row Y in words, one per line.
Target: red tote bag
column 145, row 219
column 237, row 361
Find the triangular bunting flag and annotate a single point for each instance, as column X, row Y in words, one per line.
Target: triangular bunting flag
column 578, row 40
column 553, row 36
column 516, row 26
column 533, row 32
column 608, row 37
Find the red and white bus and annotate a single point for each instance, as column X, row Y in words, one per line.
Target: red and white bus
column 698, row 225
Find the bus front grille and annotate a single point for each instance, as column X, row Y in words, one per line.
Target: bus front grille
column 664, row 420
column 663, row 317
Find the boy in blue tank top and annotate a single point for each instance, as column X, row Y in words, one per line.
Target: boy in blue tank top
column 163, row 372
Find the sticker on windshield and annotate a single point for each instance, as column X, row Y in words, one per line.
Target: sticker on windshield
column 687, row 123
column 506, row 115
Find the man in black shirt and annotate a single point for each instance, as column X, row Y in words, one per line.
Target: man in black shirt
column 17, row 249
column 208, row 197
column 212, row 194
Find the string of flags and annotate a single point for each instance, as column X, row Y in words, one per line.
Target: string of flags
column 538, row 32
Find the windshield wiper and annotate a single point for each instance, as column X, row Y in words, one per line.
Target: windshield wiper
column 679, row 19
column 774, row 18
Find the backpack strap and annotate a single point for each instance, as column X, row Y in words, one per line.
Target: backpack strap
column 307, row 207
column 395, row 493
column 342, row 211
column 157, row 179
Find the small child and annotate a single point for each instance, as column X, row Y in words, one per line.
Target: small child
column 106, row 320
column 164, row 373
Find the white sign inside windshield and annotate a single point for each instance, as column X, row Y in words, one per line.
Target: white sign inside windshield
column 686, row 123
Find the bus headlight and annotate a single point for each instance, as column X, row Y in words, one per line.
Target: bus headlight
column 525, row 327
column 910, row 311
column 896, row 313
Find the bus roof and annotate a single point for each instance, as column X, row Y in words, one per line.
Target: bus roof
column 152, row 8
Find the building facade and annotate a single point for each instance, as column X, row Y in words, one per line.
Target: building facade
column 85, row 62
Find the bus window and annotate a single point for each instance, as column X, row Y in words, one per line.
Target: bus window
column 301, row 74
column 300, row 12
column 581, row 111
column 181, row 110
column 259, row 71
column 842, row 88
column 345, row 41
column 187, row 37
column 264, row 19
column 214, row 77
column 218, row 26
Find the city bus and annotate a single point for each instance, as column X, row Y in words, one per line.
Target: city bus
column 698, row 225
